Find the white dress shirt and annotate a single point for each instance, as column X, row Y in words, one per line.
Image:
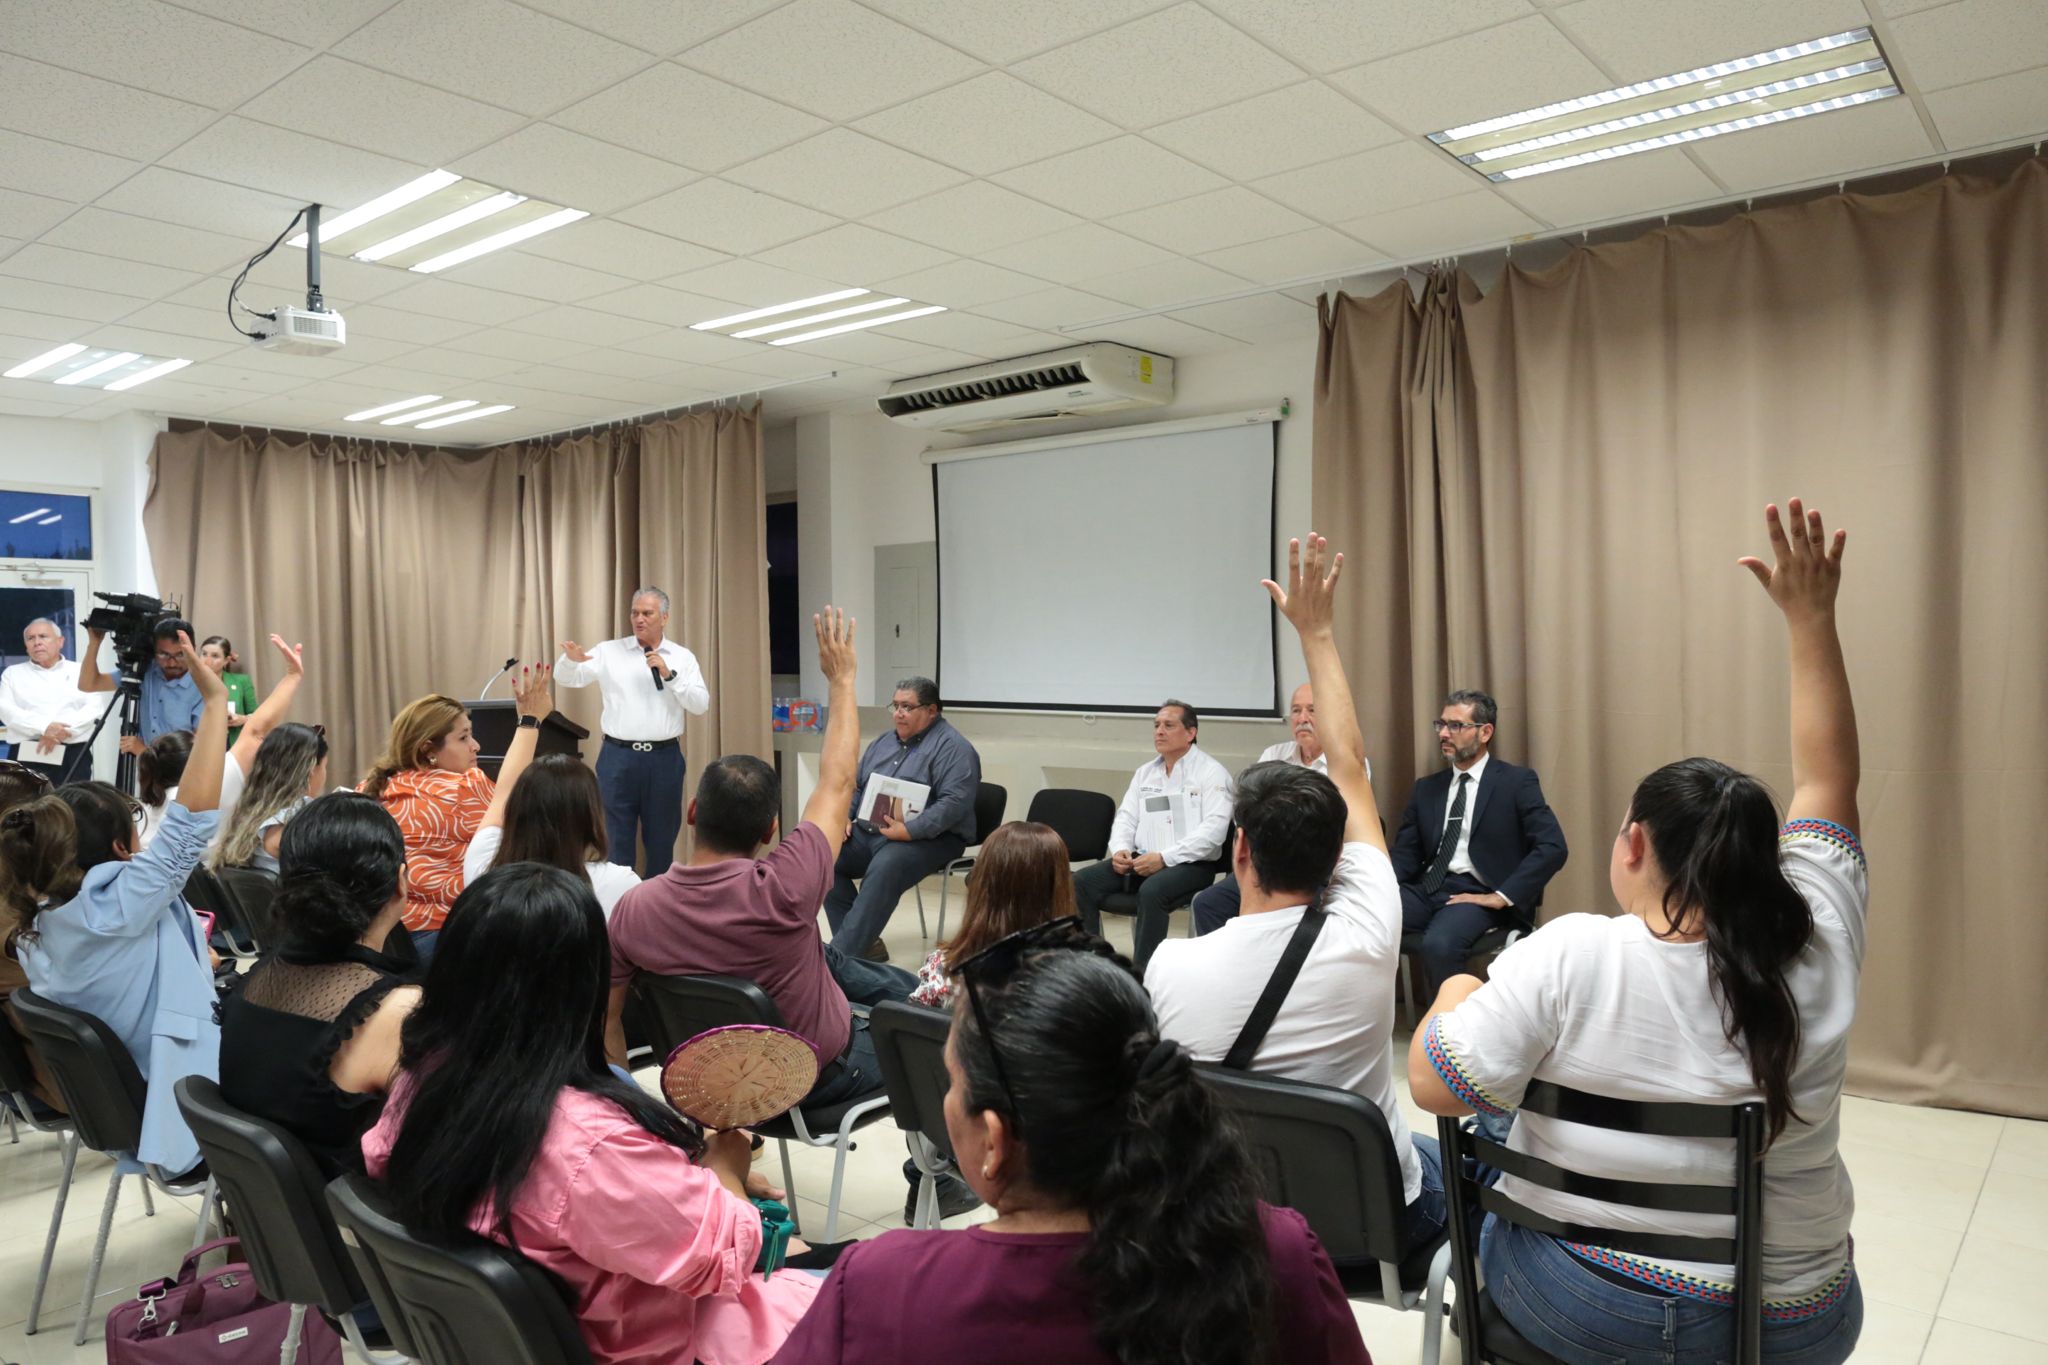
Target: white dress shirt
column 1209, row 791
column 31, row 697
column 1461, row 856
column 634, row 709
column 1289, row 751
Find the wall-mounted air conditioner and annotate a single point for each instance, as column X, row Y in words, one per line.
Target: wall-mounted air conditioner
column 1079, row 381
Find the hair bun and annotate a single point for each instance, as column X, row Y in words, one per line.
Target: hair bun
column 1165, row 1061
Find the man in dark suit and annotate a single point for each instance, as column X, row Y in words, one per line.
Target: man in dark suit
column 1476, row 845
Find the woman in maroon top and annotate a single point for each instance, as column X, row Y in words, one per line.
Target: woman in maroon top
column 1129, row 1230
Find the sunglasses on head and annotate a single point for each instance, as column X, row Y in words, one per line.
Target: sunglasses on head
column 11, row 765
column 998, row 962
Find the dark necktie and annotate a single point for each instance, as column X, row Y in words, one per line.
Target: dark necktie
column 1440, row 867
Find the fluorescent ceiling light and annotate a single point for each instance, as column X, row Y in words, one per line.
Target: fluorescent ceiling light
column 28, row 516
column 408, row 418
column 462, row 217
column 779, row 308
column 559, row 218
column 869, row 307
column 381, row 205
column 466, row 416
column 1835, row 72
column 401, row 405
column 51, row 521
column 44, row 362
column 157, row 371
column 855, row 326
column 100, row 366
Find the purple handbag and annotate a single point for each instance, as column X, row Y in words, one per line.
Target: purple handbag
column 217, row 1318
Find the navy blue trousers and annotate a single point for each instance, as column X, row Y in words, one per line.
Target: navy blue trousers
column 643, row 802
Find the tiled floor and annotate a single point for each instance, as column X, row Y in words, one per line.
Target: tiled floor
column 1951, row 1230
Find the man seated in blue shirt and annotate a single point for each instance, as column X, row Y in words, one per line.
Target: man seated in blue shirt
column 887, row 855
column 170, row 699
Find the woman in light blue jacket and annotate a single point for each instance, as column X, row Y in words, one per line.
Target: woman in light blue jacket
column 105, row 929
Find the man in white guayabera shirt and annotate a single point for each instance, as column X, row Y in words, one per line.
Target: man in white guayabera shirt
column 47, row 717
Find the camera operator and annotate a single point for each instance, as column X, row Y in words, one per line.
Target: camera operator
column 170, row 697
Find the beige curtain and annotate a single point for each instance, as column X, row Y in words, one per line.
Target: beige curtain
column 1578, row 458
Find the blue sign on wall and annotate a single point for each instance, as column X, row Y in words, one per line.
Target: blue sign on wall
column 45, row 526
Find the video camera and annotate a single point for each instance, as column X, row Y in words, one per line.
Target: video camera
column 130, row 620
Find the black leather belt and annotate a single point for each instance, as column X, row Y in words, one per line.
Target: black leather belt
column 641, row 746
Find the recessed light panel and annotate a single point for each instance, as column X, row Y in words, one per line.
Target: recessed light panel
column 1836, row 72
column 817, row 316
column 425, row 410
column 95, row 367
column 438, row 220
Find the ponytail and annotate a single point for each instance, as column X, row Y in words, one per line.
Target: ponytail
column 1715, row 833
column 161, row 766
column 1115, row 1121
column 38, row 860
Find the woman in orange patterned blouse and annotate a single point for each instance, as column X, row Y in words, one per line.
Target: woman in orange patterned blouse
column 429, row 781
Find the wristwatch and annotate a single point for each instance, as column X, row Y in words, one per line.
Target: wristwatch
column 529, row 722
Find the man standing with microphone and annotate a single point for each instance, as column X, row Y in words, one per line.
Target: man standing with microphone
column 648, row 681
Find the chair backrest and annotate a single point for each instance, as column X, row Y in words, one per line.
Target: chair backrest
column 1742, row 1198
column 449, row 1303
column 1326, row 1153
column 100, row 1083
column 1082, row 818
column 279, row 1201
column 252, row 890
column 18, row 1075
column 681, row 1007
column 910, row 1040
column 205, row 891
column 990, row 800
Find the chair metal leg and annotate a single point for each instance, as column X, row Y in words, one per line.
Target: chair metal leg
column 354, row 1334
column 945, row 884
column 1433, row 1307
column 206, row 1207
column 923, row 930
column 789, row 1186
column 839, row 1151
column 148, row 1201
column 1408, row 988
column 35, row 1306
column 99, row 1254
column 288, row 1351
column 13, row 1129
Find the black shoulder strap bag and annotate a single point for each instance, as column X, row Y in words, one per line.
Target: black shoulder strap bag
column 1239, row 1058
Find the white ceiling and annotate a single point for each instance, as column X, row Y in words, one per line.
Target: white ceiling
column 1032, row 166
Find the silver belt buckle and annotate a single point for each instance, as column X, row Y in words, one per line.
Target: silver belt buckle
column 642, row 746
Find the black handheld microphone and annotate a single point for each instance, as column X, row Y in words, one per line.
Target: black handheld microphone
column 655, row 669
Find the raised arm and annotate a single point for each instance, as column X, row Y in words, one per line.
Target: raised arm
column 532, row 697
column 275, row 707
column 839, row 764
column 90, row 679
column 1803, row 581
column 1308, row 603
column 200, row 788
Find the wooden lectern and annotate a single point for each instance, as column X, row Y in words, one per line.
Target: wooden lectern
column 493, row 723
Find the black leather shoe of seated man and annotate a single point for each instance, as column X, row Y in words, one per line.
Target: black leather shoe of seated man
column 954, row 1195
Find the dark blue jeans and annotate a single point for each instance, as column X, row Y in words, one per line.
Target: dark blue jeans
column 1562, row 1306
column 1427, row 1215
column 643, row 801
column 885, row 869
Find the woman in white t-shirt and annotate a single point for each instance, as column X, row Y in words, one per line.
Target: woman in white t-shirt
column 546, row 810
column 1731, row 978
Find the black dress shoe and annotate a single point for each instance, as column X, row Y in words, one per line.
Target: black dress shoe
column 955, row 1196
column 877, row 951
column 821, row 1256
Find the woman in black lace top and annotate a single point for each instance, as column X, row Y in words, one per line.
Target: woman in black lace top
column 310, row 1040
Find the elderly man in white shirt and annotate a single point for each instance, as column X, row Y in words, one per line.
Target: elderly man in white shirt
column 1168, row 832
column 648, row 682
column 47, row 717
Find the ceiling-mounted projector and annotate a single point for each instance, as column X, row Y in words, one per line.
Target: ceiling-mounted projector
column 300, row 331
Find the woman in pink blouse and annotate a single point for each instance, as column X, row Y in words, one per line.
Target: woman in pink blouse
column 506, row 1121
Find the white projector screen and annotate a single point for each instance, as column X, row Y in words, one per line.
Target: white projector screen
column 1110, row 576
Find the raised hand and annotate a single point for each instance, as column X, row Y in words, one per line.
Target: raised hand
column 837, row 657
column 294, row 656
column 1308, row 601
column 1807, row 571
column 575, row 652
column 531, row 694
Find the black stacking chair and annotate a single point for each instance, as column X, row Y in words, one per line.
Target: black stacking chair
column 1125, row 902
column 252, row 890
column 681, row 1007
column 989, row 803
column 278, row 1199
column 232, row 933
column 911, row 1042
column 16, row 1076
column 104, row 1092
column 1485, row 1333
column 467, row 1303
column 1329, row 1155
column 1082, row 818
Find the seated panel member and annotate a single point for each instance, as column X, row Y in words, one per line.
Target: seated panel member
column 1171, row 874
column 1475, row 855
column 888, row 856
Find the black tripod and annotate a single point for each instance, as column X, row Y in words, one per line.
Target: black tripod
column 128, row 696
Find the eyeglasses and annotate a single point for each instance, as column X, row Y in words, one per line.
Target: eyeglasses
column 168, row 656
column 1453, row 727
column 36, row 774
column 899, row 708
column 998, row 961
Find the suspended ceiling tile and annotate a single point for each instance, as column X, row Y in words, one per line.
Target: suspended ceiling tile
column 196, row 201
column 283, row 274
column 1324, row 35
column 726, row 217
column 1970, row 40
column 831, row 57
column 652, row 303
column 181, row 319
column 1377, row 181
column 768, row 364
column 294, row 20
column 1612, row 189
column 298, row 166
column 586, row 325
column 1169, row 282
column 511, row 345
column 391, row 324
column 754, row 284
column 874, row 348
column 1111, row 178
column 988, row 124
column 1992, row 111
column 147, row 239
column 1163, row 66
column 57, row 265
column 1277, row 131
column 688, row 117
column 27, row 216
column 86, row 111
column 994, row 33
column 1163, row 336
column 1051, row 309
column 379, row 112
column 449, row 298
column 1462, row 221
column 973, row 218
column 962, row 284
column 1838, row 143
column 601, row 244
column 491, row 50
column 1636, row 42
column 682, row 346
column 38, row 406
column 1079, row 252
column 846, row 173
column 640, row 364
column 546, row 162
column 43, row 327
column 1294, row 256
column 1210, row 222
column 658, row 26
column 159, row 47
column 38, row 166
column 126, row 336
column 1498, row 71
column 515, row 272
column 1253, row 319
column 854, row 251
column 436, row 367
column 960, row 332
